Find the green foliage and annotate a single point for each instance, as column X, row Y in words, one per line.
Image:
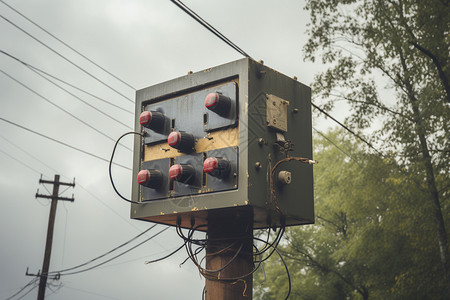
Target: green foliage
column 372, row 237
column 381, row 221
column 389, row 61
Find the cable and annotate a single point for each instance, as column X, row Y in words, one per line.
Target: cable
column 60, row 108
column 66, row 59
column 62, row 143
column 208, row 26
column 348, row 129
column 117, row 256
column 32, row 281
column 287, row 273
column 20, row 162
column 111, row 162
column 29, row 154
column 167, row 256
column 67, row 45
column 29, row 291
column 103, row 255
column 285, row 266
column 65, row 82
column 83, row 101
column 70, row 93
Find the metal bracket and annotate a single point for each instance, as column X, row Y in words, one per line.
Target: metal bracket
column 276, row 112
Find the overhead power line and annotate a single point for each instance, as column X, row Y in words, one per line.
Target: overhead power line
column 33, row 281
column 67, row 45
column 65, row 82
column 208, row 26
column 346, row 128
column 83, row 101
column 56, row 172
column 106, row 253
column 20, row 162
column 62, row 143
column 65, row 58
column 63, row 273
column 61, row 108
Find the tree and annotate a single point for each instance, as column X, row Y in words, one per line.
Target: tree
column 370, row 239
column 389, row 61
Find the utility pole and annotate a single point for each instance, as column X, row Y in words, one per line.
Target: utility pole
column 228, row 236
column 51, row 222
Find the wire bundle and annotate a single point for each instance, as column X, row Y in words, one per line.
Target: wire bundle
column 235, row 246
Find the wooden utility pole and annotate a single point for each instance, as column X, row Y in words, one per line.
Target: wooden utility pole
column 51, row 222
column 230, row 250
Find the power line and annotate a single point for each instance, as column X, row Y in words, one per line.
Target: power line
column 346, row 128
column 67, row 45
column 20, row 162
column 117, row 256
column 103, row 255
column 208, row 26
column 62, row 143
column 29, row 154
column 83, row 101
column 91, row 293
column 78, row 184
column 339, row 148
column 65, row 82
column 61, row 108
column 66, row 59
column 33, row 281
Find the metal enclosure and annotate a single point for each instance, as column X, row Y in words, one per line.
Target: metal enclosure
column 269, row 118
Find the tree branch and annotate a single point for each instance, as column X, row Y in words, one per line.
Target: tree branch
column 438, row 65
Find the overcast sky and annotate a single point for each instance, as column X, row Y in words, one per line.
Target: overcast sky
column 144, row 42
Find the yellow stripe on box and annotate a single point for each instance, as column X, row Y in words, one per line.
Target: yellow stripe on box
column 214, row 140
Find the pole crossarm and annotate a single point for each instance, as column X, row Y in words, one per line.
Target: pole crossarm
column 57, row 198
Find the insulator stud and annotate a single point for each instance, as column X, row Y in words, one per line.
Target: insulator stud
column 182, row 172
column 182, row 141
column 152, row 120
column 218, row 103
column 150, row 178
column 217, row 167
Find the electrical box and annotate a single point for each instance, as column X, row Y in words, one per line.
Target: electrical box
column 210, row 141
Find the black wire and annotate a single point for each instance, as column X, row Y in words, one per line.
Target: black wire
column 65, row 82
column 67, row 45
column 275, row 244
column 82, row 100
column 65, row 58
column 285, row 266
column 62, row 143
column 167, row 256
column 111, row 162
column 208, row 26
column 20, row 162
column 102, row 263
column 32, row 281
column 103, row 255
column 287, row 273
column 29, row 291
column 60, row 108
column 348, row 129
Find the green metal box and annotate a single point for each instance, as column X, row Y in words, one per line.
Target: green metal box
column 270, row 121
